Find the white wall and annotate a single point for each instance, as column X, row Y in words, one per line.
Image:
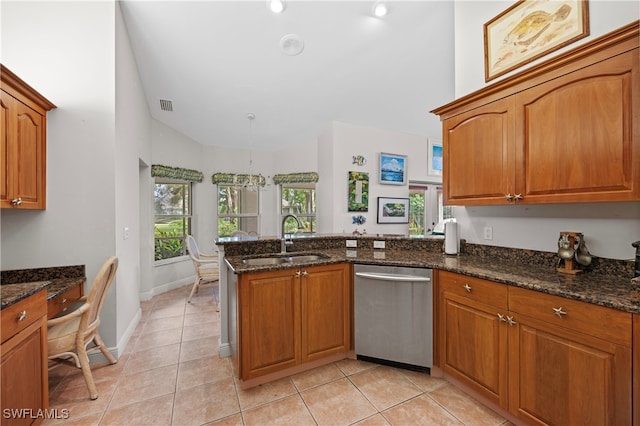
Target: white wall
column 65, row 50
column 609, row 228
column 133, row 145
column 336, row 151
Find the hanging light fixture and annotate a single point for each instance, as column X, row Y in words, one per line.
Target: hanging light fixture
column 252, row 182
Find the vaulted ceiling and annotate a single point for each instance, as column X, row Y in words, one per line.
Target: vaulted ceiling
column 217, row 61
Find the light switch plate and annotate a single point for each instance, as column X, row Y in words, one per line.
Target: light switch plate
column 378, row 244
column 352, row 243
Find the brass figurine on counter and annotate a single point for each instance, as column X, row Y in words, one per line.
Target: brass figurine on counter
column 572, row 247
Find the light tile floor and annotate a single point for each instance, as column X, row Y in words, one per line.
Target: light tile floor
column 171, row 374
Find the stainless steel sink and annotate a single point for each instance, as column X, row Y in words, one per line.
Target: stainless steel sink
column 278, row 260
column 264, row 261
column 306, row 257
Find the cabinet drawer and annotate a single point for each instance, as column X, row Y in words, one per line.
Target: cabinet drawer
column 598, row 321
column 477, row 289
column 17, row 317
column 61, row 302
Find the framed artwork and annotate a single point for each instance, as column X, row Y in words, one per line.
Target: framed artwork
column 393, row 210
column 393, row 169
column 434, row 161
column 358, row 200
column 531, row 29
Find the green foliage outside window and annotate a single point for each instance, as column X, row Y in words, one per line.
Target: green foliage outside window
column 172, row 206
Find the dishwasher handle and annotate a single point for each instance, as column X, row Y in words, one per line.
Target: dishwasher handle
column 392, row 277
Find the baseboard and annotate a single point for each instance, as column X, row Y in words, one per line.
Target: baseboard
column 148, row 295
column 225, row 350
column 98, row 358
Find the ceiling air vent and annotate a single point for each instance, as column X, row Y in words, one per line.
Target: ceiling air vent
column 166, row 105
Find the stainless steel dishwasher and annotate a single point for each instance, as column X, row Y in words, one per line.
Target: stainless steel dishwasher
column 394, row 315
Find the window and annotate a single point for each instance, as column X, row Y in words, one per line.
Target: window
column 238, row 210
column 300, row 200
column 426, row 208
column 172, row 208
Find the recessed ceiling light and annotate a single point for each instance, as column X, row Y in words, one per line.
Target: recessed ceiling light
column 277, row 6
column 380, row 9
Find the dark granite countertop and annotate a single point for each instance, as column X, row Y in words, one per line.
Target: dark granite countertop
column 21, row 283
column 13, row 293
column 603, row 289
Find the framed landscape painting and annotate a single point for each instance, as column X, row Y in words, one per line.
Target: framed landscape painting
column 434, row 161
column 393, row 210
column 393, row 169
column 531, row 29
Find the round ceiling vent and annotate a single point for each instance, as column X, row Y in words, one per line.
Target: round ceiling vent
column 291, row 44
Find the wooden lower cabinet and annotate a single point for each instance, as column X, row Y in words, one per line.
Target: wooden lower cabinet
column 545, row 359
column 473, row 342
column 293, row 316
column 23, row 370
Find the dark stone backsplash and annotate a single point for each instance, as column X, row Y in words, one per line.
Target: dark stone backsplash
column 602, row 266
column 41, row 274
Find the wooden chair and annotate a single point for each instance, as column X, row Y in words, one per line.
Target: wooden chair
column 70, row 334
column 207, row 266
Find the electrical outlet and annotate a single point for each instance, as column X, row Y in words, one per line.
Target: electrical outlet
column 488, row 233
column 352, row 243
column 352, row 253
column 125, row 233
column 378, row 244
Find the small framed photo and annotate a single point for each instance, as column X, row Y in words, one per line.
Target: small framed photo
column 434, row 160
column 393, row 210
column 393, row 169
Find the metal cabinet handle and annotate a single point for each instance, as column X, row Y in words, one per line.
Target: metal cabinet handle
column 518, row 197
column 305, row 273
column 64, row 300
column 16, row 201
column 502, row 318
column 559, row 312
column 510, row 321
column 467, row 287
column 508, row 197
column 22, row 316
column 298, row 274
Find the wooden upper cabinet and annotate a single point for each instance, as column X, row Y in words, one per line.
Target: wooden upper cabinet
column 566, row 130
column 23, row 144
column 576, row 135
column 479, row 150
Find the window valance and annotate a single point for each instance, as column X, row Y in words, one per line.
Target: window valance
column 176, row 173
column 303, row 177
column 236, row 179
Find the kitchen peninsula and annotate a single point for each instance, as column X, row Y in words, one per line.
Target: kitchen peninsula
column 507, row 309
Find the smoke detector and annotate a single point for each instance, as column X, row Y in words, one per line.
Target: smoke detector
column 292, row 44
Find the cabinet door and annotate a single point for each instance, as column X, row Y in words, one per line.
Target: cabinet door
column 561, row 377
column 478, row 153
column 6, row 103
column 23, row 155
column 22, row 373
column 326, row 311
column 576, row 138
column 269, row 330
column 473, row 339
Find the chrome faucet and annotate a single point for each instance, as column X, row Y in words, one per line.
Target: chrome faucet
column 285, row 243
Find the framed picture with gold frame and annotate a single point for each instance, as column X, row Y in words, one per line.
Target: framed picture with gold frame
column 531, row 29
